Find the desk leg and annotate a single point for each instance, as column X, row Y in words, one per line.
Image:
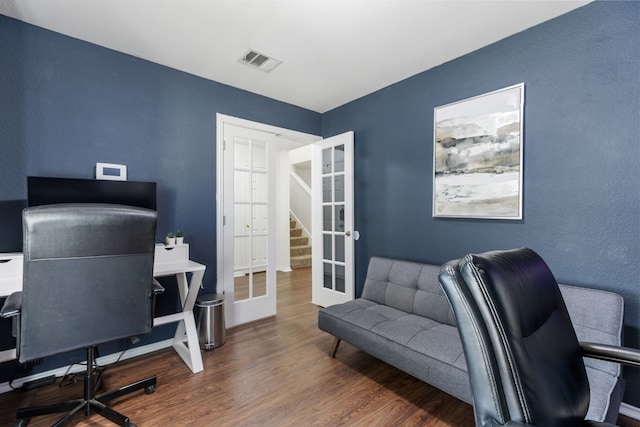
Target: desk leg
column 192, row 288
column 183, row 287
column 189, row 352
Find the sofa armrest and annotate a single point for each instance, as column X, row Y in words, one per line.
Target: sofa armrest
column 624, row 355
column 12, row 305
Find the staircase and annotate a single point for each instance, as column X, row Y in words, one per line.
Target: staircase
column 300, row 251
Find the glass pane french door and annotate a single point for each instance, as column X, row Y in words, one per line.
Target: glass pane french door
column 333, row 204
column 333, row 231
column 249, row 223
column 251, row 219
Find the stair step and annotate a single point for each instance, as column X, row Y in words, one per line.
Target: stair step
column 300, row 261
column 299, row 241
column 300, row 250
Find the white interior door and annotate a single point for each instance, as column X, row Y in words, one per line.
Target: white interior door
column 246, row 248
column 249, row 222
column 332, row 223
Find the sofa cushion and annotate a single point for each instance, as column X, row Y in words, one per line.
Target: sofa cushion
column 604, row 328
column 408, row 286
column 427, row 349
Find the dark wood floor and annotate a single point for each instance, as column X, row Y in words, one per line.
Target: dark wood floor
column 275, row 372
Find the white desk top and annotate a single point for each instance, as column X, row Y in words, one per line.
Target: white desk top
column 170, row 268
column 168, row 261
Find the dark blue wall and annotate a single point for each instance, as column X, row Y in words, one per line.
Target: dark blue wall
column 66, row 105
column 581, row 156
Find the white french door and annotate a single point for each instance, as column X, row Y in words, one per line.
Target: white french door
column 249, row 221
column 332, row 228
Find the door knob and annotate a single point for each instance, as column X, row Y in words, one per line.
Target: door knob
column 356, row 234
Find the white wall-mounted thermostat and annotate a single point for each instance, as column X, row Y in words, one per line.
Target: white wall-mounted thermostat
column 111, row 171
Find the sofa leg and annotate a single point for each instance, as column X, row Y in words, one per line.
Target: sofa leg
column 334, row 347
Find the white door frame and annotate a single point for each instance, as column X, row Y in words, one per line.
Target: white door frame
column 282, row 136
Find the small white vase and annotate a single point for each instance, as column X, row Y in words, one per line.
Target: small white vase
column 179, row 240
column 170, row 241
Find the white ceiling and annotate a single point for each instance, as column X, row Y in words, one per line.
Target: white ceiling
column 332, row 51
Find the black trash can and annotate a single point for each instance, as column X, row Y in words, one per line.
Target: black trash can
column 211, row 327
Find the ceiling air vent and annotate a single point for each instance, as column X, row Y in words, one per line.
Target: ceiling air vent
column 260, row 61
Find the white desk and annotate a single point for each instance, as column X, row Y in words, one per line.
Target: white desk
column 175, row 261
column 10, row 273
column 169, row 261
column 10, row 282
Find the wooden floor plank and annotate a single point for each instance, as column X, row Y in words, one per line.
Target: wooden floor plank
column 274, row 372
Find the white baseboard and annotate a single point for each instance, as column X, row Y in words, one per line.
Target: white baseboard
column 630, row 411
column 104, row 360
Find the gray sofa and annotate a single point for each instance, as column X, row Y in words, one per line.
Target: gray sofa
column 404, row 319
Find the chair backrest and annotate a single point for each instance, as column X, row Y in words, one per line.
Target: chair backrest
column 88, row 275
column 523, row 357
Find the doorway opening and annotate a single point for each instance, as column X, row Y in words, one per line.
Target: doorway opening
column 253, row 214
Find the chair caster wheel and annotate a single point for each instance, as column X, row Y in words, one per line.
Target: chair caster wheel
column 149, row 389
column 20, row 423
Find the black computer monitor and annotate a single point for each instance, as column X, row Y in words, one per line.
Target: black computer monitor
column 48, row 190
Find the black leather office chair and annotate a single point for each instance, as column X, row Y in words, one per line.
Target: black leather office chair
column 525, row 363
column 88, row 279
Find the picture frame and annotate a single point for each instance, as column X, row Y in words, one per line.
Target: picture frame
column 477, row 156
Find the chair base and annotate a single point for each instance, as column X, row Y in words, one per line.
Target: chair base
column 90, row 403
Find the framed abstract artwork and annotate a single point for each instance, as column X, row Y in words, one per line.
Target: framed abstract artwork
column 477, row 160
